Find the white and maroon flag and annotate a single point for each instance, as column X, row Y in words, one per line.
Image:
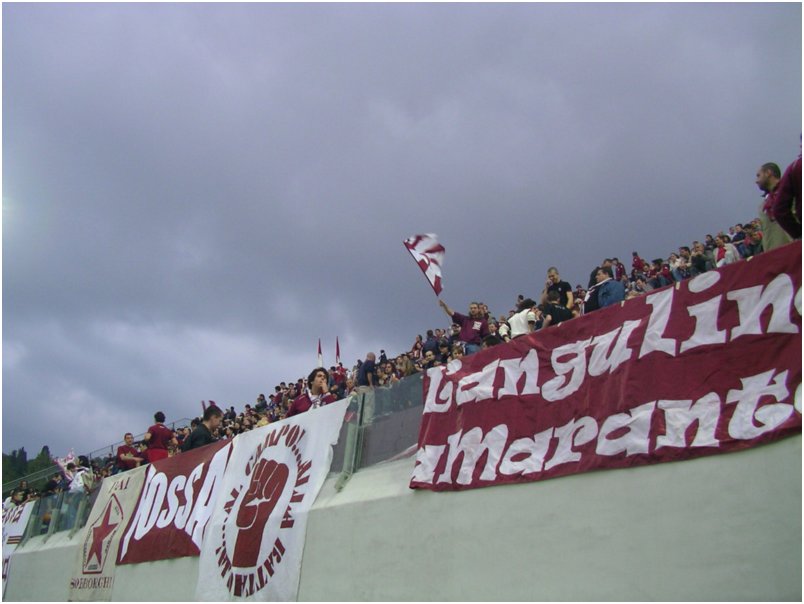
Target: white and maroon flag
column 429, row 255
column 337, row 351
column 320, row 355
column 709, row 365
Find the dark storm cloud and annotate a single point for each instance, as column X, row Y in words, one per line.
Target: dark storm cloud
column 194, row 194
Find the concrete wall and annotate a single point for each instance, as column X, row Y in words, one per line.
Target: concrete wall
column 41, row 570
column 725, row 527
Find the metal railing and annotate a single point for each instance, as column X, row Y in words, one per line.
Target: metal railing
column 381, row 424
column 111, row 450
column 58, row 513
column 35, row 479
column 39, row 478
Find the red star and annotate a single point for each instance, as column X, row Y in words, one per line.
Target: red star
column 99, row 533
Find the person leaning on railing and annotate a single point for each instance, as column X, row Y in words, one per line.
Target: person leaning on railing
column 128, row 457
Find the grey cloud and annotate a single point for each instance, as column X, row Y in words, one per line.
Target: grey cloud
column 194, row 194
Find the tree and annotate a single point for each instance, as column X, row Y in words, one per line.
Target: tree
column 19, row 461
column 41, row 461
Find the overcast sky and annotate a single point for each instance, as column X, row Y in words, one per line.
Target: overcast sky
column 194, row 194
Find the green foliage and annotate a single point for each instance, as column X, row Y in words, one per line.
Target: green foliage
column 16, row 465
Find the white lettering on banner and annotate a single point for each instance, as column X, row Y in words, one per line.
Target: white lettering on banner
column 471, row 446
column 478, row 385
column 654, row 336
column 679, row 415
column 202, row 510
column 559, row 388
column 706, row 331
column 535, row 448
column 440, row 386
column 446, row 388
column 752, row 302
column 574, row 433
column 160, row 504
column 742, row 424
column 515, row 369
column 601, row 362
column 426, row 459
column 633, row 430
column 635, row 440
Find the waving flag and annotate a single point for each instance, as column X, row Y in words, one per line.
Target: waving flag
column 337, row 351
column 429, row 255
column 63, row 461
column 320, row 356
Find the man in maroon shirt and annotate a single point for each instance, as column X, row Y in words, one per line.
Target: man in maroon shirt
column 159, row 437
column 473, row 328
column 317, row 394
column 127, row 456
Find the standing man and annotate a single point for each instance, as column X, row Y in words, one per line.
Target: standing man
column 367, row 374
column 473, row 328
column 555, row 284
column 203, row 434
column 366, row 381
column 128, row 457
column 318, row 393
column 158, row 438
column 773, row 235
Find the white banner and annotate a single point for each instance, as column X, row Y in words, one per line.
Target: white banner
column 15, row 519
column 93, row 574
column 252, row 548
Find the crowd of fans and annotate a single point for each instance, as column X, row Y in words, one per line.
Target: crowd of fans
column 75, row 477
column 609, row 283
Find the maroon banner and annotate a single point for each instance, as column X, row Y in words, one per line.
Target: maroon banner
column 175, row 505
column 708, row 365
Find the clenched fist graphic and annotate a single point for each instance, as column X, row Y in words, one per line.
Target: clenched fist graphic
column 267, row 484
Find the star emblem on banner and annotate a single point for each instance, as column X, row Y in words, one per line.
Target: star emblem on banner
column 99, row 536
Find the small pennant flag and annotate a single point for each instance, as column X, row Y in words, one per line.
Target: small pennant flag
column 429, row 255
column 320, row 356
column 337, row 351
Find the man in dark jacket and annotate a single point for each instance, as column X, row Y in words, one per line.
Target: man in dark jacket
column 203, row 434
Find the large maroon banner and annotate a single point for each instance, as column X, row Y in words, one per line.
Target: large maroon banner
column 708, row 365
column 175, row 504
